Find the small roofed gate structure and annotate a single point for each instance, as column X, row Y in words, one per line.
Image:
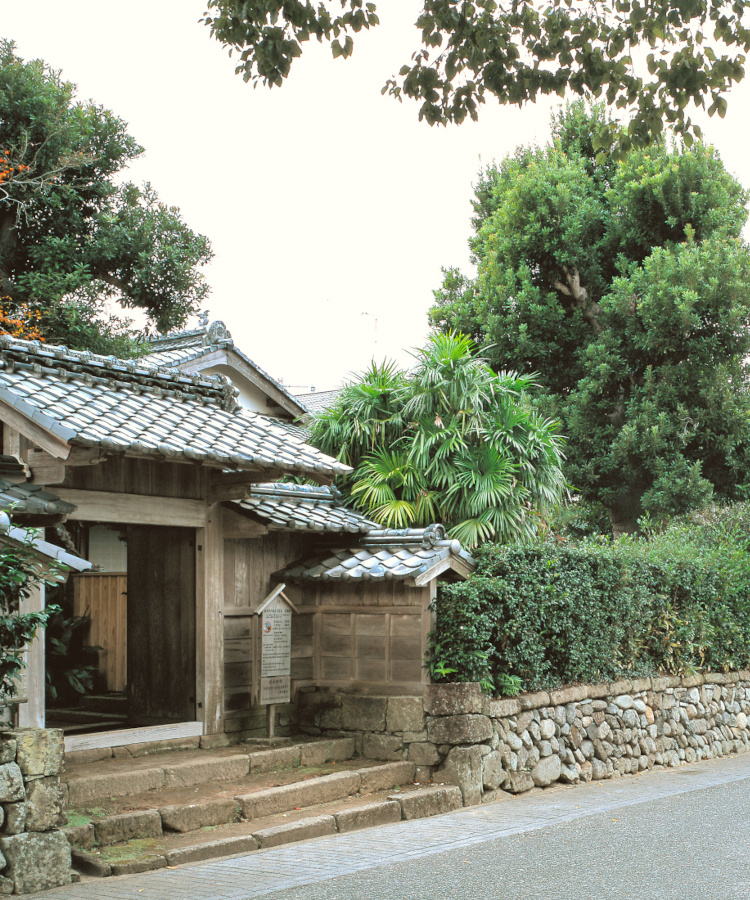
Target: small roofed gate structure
column 155, row 454
column 362, row 594
column 167, row 463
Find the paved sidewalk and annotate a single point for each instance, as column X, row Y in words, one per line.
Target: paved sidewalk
column 282, row 869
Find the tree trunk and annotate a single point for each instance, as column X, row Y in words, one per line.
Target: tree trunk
column 624, row 514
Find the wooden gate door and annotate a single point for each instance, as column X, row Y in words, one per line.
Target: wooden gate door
column 161, row 624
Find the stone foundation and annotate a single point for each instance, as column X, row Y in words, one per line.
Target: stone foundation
column 34, row 854
column 457, row 735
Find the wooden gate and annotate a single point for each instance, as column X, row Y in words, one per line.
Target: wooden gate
column 161, row 624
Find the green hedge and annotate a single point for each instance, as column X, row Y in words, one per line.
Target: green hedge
column 538, row 616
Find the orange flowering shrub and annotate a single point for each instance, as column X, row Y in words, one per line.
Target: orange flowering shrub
column 19, row 321
column 9, row 169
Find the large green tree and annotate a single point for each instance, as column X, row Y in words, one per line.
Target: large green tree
column 448, row 441
column 73, row 236
column 626, row 287
column 653, row 59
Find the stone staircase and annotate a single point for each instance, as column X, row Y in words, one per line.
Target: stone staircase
column 160, row 809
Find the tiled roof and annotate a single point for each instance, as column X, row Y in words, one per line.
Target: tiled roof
column 175, row 350
column 304, row 508
column 318, row 401
column 31, row 500
column 132, row 407
column 419, row 554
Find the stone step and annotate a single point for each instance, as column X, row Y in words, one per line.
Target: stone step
column 152, row 817
column 125, row 776
column 172, row 849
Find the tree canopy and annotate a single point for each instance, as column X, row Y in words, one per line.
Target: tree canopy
column 449, row 441
column 626, row 287
column 651, row 59
column 73, row 236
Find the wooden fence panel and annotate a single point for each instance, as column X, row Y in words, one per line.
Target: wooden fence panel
column 104, row 597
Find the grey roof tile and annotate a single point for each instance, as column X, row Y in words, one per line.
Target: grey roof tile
column 30, row 499
column 381, row 555
column 303, row 507
column 89, row 400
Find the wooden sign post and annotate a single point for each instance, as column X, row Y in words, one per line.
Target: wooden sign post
column 275, row 614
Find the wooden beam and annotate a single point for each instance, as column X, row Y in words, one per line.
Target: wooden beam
column 209, row 623
column 38, row 435
column 237, row 526
column 45, row 469
column 133, row 509
column 237, row 485
column 31, row 713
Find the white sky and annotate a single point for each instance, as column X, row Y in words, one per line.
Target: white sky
column 329, row 207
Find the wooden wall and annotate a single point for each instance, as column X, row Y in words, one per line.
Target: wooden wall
column 153, row 478
column 348, row 636
column 248, row 565
column 366, row 637
column 103, row 596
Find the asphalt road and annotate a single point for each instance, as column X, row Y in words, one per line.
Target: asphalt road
column 679, row 834
column 693, row 846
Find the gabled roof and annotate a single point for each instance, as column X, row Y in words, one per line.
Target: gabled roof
column 135, row 408
column 302, row 507
column 416, row 555
column 318, row 401
column 213, row 344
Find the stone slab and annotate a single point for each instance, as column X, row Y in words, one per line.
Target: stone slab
column 303, row 830
column 454, row 699
column 382, row 746
column 383, row 778
column 40, row 750
column 571, row 694
column 143, row 823
column 404, row 714
column 429, row 801
column 276, row 758
column 11, row 783
column 535, row 700
column 508, row 706
column 460, row 729
column 84, row 789
column 90, row 864
column 134, row 866
column 80, row 836
column 36, row 861
column 368, row 816
column 192, row 816
column 270, row 801
column 244, row 843
column 223, row 768
column 318, row 752
column 45, row 804
column 362, row 713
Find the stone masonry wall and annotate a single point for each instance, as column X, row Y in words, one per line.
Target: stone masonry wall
column 34, row 854
column 458, row 735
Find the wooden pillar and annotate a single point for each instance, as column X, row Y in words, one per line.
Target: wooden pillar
column 209, row 584
column 32, row 713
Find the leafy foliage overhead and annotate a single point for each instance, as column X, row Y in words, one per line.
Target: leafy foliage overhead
column 73, row 236
column 626, row 287
column 449, row 441
column 652, row 59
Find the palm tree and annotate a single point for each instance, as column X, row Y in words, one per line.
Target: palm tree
column 451, row 441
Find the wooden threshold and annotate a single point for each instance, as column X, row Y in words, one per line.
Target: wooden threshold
column 125, row 736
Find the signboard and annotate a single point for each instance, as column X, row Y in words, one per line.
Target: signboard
column 275, row 690
column 275, row 648
column 276, row 639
